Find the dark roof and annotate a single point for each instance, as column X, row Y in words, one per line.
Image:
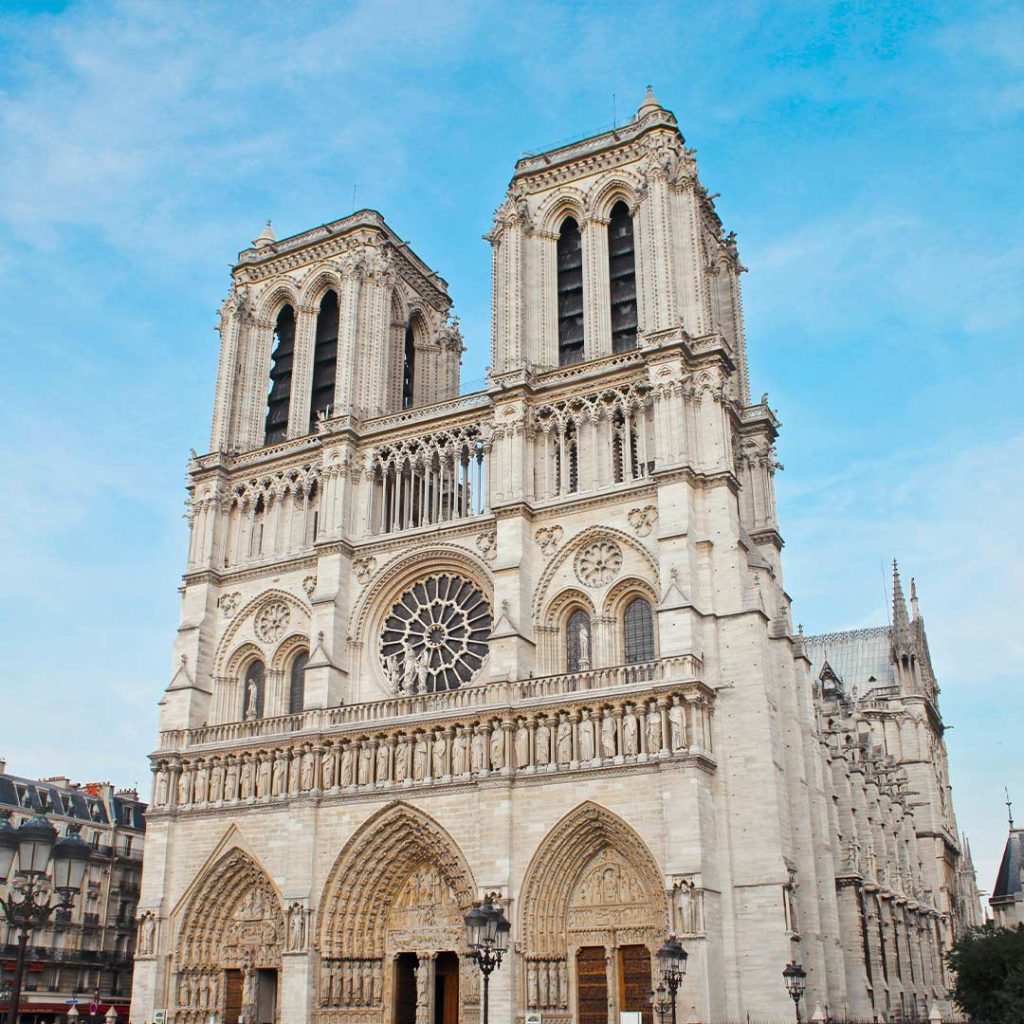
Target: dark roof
column 858, row 657
column 79, row 803
column 1008, row 881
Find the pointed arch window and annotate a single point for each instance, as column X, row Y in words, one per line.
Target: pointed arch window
column 578, row 642
column 570, row 294
column 638, row 632
column 279, row 398
column 622, row 275
column 253, row 686
column 297, row 683
column 409, row 366
column 325, row 359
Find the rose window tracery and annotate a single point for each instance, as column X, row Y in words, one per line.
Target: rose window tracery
column 271, row 621
column 435, row 637
column 599, row 563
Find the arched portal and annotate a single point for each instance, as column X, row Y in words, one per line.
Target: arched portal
column 592, row 913
column 228, row 955
column 392, row 936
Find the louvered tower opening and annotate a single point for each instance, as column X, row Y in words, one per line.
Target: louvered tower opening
column 281, row 359
column 622, row 272
column 408, row 366
column 570, row 294
column 325, row 359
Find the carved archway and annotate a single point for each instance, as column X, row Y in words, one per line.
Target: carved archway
column 399, row 888
column 593, row 885
column 232, row 925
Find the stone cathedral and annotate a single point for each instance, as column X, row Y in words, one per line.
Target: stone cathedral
column 531, row 642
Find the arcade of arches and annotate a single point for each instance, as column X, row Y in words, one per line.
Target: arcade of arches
column 390, row 946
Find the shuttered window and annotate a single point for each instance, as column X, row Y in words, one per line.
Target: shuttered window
column 279, row 398
column 325, row 359
column 570, row 294
column 622, row 274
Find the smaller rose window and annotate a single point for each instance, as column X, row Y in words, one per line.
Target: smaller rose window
column 435, row 637
column 599, row 563
column 271, row 621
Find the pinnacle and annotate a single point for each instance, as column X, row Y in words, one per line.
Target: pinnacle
column 265, row 237
column 649, row 104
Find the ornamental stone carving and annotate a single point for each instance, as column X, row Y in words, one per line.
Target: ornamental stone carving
column 598, row 563
column 271, row 621
column 229, row 603
column 549, row 537
column 364, row 568
column 642, row 519
column 309, row 585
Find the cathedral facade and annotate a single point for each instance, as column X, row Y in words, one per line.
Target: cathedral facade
column 531, row 643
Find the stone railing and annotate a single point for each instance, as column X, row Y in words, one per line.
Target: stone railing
column 583, row 729
column 429, row 706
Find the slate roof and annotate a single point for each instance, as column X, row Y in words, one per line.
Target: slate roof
column 859, row 657
column 1008, row 882
column 77, row 803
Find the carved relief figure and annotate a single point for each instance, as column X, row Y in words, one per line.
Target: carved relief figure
column 497, row 748
column 296, row 927
column 522, row 745
column 543, row 742
column 147, row 934
column 306, row 780
column 184, row 787
column 653, row 730
column 564, row 742
column 477, row 749
column 586, row 732
column 438, row 754
column 217, row 783
column 231, row 781
column 629, row 732
column 677, row 725
column 246, row 779
column 346, row 766
column 365, row 764
column 460, row 753
column 327, row 769
column 608, row 736
column 383, row 767
column 263, row 779
column 419, row 759
column 402, row 759
column 201, row 785
column 160, row 790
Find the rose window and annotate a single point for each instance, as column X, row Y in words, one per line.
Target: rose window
column 271, row 621
column 435, row 637
column 599, row 563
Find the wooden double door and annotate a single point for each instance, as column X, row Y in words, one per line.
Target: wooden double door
column 595, row 1004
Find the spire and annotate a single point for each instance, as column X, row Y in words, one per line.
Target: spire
column 915, row 611
column 1009, row 806
column 649, row 105
column 900, row 619
column 265, row 237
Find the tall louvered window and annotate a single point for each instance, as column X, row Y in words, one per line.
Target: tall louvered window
column 638, row 627
column 409, row 367
column 570, row 294
column 280, row 377
column 325, row 359
column 297, row 684
column 622, row 273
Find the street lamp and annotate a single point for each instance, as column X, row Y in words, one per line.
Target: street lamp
column 659, row 999
column 672, row 963
column 488, row 930
column 34, row 847
column 795, row 978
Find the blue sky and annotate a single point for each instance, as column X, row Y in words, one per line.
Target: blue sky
column 868, row 156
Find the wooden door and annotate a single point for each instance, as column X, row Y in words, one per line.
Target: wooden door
column 591, row 986
column 635, row 980
column 233, row 983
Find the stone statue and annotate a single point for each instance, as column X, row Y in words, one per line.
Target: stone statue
column 346, row 766
column 365, row 764
column 629, row 733
column 251, row 699
column 460, row 753
column 184, row 787
column 677, row 725
column 217, row 783
column 160, row 790
column 586, row 729
column 231, row 781
column 564, row 742
column 246, row 779
column 584, row 642
column 653, row 730
column 608, row 736
column 423, row 670
column 147, row 934
column 402, row 759
column 277, row 784
column 383, row 767
column 408, row 668
column 306, row 780
column 543, row 742
column 202, row 782
column 543, row 988
column 327, row 769
column 263, row 783
column 294, row 769
column 438, row 756
column 497, row 748
column 419, row 759
column 477, row 750
column 297, row 928
column 522, row 746
column 393, row 671
column 531, row 985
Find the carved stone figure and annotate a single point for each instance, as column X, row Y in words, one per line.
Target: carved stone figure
column 653, row 730
column 251, row 700
column 383, row 767
column 608, row 736
column 460, row 753
column 263, row 778
column 419, row 759
column 477, row 750
column 564, row 741
column 296, row 928
column 393, row 671
column 532, row 998
column 306, row 779
column 408, row 668
column 497, row 748
column 365, row 764
column 217, row 783
column 246, row 779
column 629, row 733
column 584, row 642
column 277, row 784
column 147, row 934
column 402, row 759
column 160, row 790
column 677, row 725
column 522, row 746
column 346, row 766
column 586, row 732
column 184, row 787
column 422, row 670
column 201, row 784
column 440, row 748
column 543, row 742
column 327, row 769
column 231, row 781
column 294, row 771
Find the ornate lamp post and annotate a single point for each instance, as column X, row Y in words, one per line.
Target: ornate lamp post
column 35, row 848
column 659, row 999
column 672, row 964
column 488, row 930
column 795, row 978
